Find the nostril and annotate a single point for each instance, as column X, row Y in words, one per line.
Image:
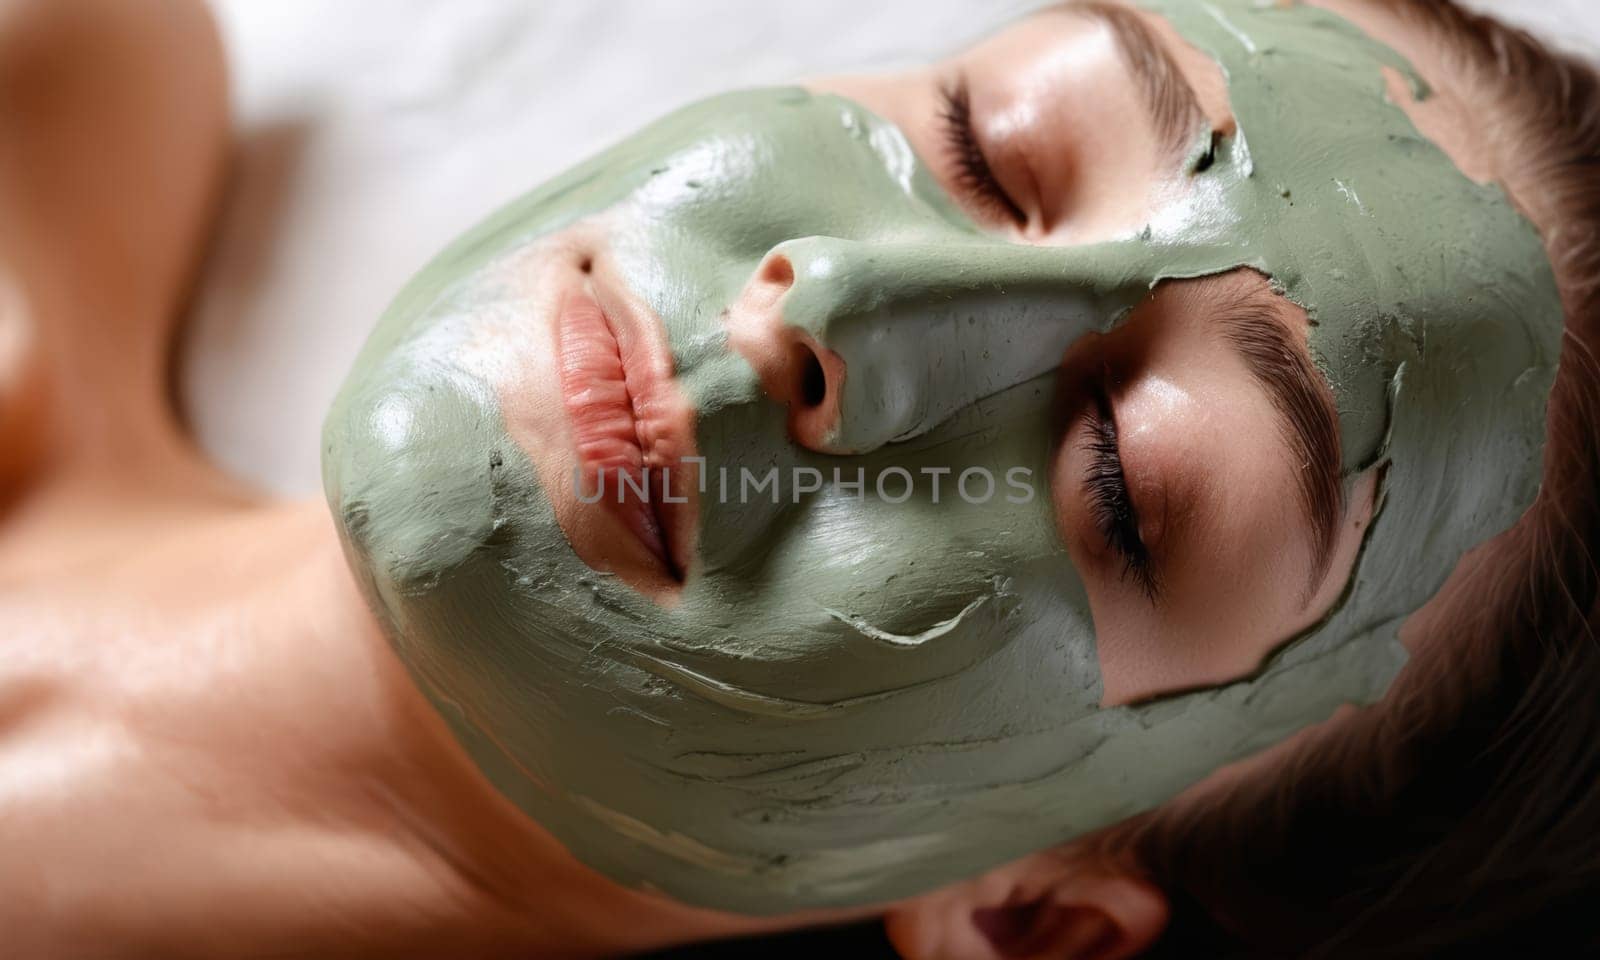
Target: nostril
column 813, row 379
column 778, row 271
column 795, row 368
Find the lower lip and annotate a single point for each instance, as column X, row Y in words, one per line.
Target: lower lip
column 602, row 397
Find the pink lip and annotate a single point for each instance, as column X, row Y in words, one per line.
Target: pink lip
column 632, row 431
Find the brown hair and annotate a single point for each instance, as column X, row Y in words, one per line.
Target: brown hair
column 1462, row 815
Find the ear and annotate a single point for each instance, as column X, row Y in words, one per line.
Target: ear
column 1047, row 906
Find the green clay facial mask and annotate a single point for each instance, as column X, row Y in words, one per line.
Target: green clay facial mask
column 855, row 698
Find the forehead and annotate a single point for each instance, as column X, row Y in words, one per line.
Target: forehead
column 1323, row 183
column 1329, row 188
column 1434, row 312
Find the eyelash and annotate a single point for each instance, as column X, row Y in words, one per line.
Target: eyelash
column 972, row 170
column 1106, row 487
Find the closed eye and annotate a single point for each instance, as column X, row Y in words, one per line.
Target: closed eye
column 972, row 173
column 1105, row 487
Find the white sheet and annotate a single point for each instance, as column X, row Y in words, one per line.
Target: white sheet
column 373, row 131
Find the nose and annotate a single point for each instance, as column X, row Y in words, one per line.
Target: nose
column 869, row 343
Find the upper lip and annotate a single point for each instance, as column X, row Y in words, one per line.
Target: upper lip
column 627, row 420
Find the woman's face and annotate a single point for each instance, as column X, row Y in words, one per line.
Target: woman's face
column 832, row 492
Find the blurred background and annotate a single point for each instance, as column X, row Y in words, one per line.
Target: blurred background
column 370, row 132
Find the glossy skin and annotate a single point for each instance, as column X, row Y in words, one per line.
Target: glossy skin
column 147, row 713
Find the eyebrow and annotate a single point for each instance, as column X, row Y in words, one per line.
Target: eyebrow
column 1252, row 321
column 1174, row 108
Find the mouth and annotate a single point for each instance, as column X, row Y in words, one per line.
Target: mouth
column 632, row 434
